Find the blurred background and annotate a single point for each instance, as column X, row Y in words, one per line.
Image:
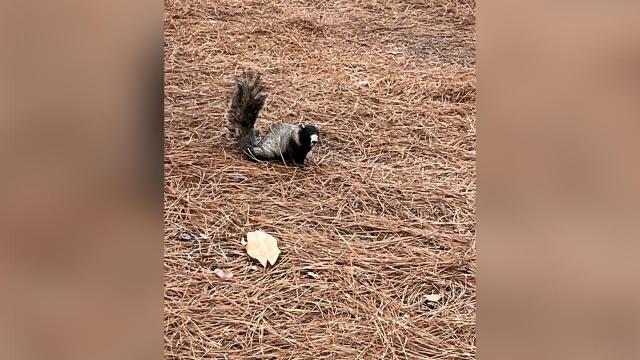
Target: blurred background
column 82, row 100
column 558, row 180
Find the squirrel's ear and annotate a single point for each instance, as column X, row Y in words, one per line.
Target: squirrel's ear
column 301, row 126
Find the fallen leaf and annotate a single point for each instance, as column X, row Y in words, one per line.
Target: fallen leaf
column 186, row 236
column 238, row 178
column 224, row 274
column 262, row 247
column 363, row 82
column 312, row 274
column 432, row 297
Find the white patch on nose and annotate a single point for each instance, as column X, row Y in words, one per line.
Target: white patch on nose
column 314, row 139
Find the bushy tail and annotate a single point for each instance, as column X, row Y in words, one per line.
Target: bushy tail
column 246, row 103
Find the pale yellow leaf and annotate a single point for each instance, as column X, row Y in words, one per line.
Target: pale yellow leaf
column 312, row 274
column 262, row 247
column 224, row 274
column 432, row 297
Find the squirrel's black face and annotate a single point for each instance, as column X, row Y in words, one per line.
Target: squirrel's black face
column 309, row 135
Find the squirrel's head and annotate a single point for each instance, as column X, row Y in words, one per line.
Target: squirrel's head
column 309, row 135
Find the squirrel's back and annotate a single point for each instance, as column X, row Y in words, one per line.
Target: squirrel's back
column 279, row 139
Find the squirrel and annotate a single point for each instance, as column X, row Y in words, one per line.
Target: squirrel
column 286, row 142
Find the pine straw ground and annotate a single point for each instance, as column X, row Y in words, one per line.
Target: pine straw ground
column 384, row 213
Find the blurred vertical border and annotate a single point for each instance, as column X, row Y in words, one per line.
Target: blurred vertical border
column 81, row 257
column 558, row 199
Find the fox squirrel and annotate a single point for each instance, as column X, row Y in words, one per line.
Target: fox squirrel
column 286, row 142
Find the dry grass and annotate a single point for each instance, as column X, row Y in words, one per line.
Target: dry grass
column 384, row 214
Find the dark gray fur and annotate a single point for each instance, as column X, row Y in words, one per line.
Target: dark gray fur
column 285, row 142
